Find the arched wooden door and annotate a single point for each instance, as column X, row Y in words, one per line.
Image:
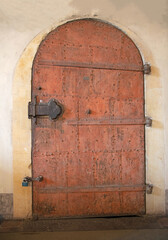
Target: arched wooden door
column 92, row 156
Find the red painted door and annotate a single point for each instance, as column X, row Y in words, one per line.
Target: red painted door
column 92, row 156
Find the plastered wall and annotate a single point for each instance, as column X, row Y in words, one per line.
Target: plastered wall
column 23, row 24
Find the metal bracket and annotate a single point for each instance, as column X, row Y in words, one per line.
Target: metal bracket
column 149, row 188
column 147, row 68
column 148, row 122
column 52, row 109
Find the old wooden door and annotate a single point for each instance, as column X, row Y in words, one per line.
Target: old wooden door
column 92, row 156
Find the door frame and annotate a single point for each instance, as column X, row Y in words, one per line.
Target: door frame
column 21, row 125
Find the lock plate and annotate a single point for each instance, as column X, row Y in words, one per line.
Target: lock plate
column 53, row 109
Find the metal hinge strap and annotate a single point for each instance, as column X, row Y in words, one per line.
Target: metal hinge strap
column 146, row 68
column 106, row 121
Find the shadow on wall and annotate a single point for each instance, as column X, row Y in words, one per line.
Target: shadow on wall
column 155, row 11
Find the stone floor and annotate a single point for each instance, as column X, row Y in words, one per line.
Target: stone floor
column 144, row 227
column 140, row 234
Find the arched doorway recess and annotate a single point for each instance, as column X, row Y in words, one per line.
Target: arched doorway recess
column 92, row 156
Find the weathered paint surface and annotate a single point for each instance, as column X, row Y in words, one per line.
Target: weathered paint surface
column 91, row 165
